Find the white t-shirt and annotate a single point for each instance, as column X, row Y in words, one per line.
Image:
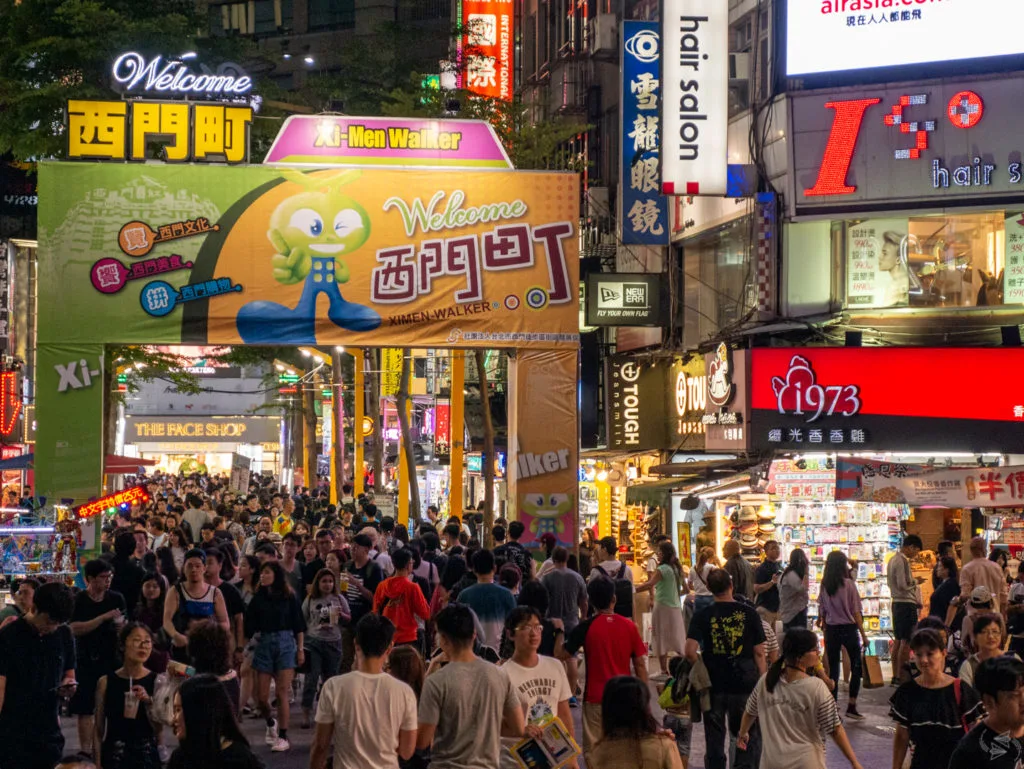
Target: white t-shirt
column 367, row 711
column 612, row 570
column 539, row 690
column 793, row 720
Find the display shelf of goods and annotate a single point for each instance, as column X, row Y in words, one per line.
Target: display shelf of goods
column 753, row 525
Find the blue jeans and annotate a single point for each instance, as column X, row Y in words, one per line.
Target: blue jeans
column 275, row 652
column 324, row 661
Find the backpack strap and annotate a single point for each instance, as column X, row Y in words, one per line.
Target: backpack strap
column 959, row 706
column 622, row 572
column 601, row 569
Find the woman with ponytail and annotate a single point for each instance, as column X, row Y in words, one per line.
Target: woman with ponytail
column 795, row 707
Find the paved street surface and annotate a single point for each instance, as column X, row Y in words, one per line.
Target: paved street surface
column 871, row 738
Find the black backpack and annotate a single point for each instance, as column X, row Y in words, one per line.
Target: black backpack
column 623, row 592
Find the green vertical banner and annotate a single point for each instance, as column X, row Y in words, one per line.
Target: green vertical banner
column 69, row 436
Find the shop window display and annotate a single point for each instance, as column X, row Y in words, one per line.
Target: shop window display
column 957, row 260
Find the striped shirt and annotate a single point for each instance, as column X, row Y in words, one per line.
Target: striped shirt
column 793, row 719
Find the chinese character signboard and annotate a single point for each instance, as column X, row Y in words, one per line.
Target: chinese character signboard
column 644, row 212
column 894, row 399
column 122, row 500
column 119, row 130
column 487, row 47
column 831, row 36
column 918, row 485
column 695, row 97
column 253, row 255
column 1013, row 275
column 807, row 479
column 623, row 299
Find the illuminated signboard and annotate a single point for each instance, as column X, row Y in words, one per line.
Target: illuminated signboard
column 487, row 47
column 134, row 73
column 908, row 143
column 832, row 36
column 118, row 130
column 210, row 429
column 832, row 399
column 695, row 97
column 122, row 500
column 644, row 211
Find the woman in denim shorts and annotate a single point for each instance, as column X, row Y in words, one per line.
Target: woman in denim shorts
column 274, row 613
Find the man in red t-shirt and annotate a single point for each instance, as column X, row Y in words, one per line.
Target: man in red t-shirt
column 400, row 599
column 610, row 643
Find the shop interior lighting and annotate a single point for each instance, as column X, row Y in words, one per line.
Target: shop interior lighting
column 26, row 530
column 602, row 476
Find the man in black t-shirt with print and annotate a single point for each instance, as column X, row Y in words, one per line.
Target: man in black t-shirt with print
column 513, row 552
column 731, row 640
column 998, row 741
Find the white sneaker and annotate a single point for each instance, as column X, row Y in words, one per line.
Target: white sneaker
column 280, row 745
column 271, row 738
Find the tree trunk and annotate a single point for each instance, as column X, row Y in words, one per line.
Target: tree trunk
column 378, row 426
column 487, row 466
column 415, row 512
column 309, row 419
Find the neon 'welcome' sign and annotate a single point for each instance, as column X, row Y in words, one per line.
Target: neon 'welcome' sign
column 134, row 72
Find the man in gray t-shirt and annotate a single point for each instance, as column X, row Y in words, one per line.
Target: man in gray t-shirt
column 567, row 592
column 468, row 704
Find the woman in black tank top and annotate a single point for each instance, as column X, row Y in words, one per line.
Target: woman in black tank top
column 125, row 737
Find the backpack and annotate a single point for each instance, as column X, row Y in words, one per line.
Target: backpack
column 623, row 592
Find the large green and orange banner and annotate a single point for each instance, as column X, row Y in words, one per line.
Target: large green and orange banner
column 259, row 255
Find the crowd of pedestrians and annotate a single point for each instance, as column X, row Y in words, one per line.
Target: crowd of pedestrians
column 414, row 648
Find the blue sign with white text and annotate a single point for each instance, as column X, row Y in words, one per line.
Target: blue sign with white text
column 644, row 212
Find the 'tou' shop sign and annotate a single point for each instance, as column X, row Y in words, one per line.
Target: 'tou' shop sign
column 912, row 143
column 887, row 399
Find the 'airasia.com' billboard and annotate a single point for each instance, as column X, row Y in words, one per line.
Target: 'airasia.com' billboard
column 487, row 47
column 907, row 143
column 831, row 36
column 889, row 399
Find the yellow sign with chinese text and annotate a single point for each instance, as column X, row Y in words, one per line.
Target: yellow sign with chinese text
column 117, row 130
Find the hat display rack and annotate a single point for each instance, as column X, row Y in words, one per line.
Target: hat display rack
column 753, row 524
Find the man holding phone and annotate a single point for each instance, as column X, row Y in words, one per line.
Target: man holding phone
column 766, row 583
column 37, row 670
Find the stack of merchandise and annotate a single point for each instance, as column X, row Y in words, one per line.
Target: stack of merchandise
column 753, row 524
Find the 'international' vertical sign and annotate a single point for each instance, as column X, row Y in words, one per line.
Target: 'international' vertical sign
column 695, row 98
column 486, row 49
column 644, row 213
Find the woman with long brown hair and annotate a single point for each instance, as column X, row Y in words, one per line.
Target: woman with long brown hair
column 667, row 629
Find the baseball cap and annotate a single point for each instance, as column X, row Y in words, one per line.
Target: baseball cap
column 981, row 596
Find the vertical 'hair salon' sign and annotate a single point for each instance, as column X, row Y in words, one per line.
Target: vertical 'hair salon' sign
column 695, row 103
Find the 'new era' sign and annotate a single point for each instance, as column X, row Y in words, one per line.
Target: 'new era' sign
column 616, row 299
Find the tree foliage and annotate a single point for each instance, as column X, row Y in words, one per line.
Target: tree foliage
column 55, row 50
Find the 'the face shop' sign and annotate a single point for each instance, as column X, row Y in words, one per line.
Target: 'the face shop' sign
column 205, row 430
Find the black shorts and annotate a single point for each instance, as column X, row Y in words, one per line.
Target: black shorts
column 904, row 620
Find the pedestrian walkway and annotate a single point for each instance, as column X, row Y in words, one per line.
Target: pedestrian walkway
column 871, row 738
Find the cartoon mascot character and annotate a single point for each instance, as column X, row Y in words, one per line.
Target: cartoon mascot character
column 312, row 233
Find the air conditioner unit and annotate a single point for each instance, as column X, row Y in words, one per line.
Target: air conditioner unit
column 739, row 66
column 597, row 199
column 604, row 35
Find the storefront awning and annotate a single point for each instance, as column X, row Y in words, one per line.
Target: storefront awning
column 118, row 465
column 24, row 462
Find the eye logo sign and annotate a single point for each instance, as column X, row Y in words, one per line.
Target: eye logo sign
column 799, row 394
column 644, row 46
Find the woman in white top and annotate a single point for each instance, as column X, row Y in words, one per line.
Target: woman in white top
column 706, row 561
column 795, row 709
column 793, row 599
column 990, row 638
